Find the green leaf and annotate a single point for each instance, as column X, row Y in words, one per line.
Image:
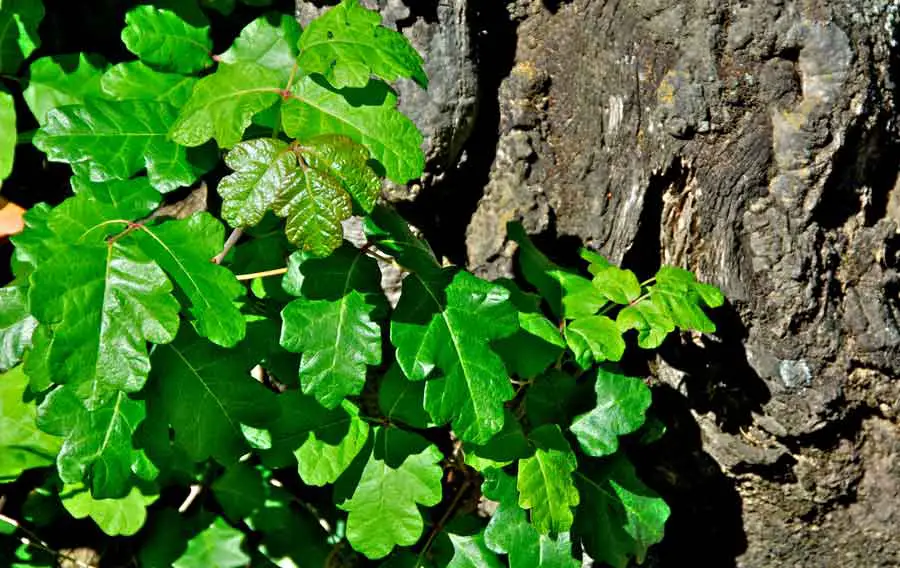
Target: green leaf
column 447, row 322
column 579, row 296
column 136, row 80
column 310, row 184
column 115, row 517
column 240, row 491
column 595, row 339
column 62, row 80
column 509, row 531
column 16, row 326
column 335, row 331
column 545, row 481
column 205, row 393
column 675, row 301
column 8, row 138
column 117, row 139
column 22, row 444
column 536, row 345
column 596, row 262
column 472, row 552
column 347, row 45
column 554, row 397
column 619, row 286
column 622, row 403
column 537, row 268
column 373, row 121
column 290, row 533
column 223, row 104
column 270, row 41
column 393, row 235
column 401, row 399
column 219, row 546
column 19, row 20
column 102, row 304
column 98, row 448
column 162, row 38
column 383, row 511
column 620, row 517
column 184, row 249
column 508, row 445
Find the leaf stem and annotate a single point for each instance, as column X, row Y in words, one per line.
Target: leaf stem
column 436, row 529
column 232, row 240
column 263, row 274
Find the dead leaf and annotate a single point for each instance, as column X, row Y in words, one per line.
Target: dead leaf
column 11, row 222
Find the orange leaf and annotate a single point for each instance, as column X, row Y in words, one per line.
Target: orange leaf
column 10, row 219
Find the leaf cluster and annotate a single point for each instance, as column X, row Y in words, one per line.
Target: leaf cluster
column 172, row 393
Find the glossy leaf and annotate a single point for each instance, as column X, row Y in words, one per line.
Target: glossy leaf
column 619, row 518
column 62, row 80
column 383, row 511
column 390, row 137
column 117, row 140
column 622, row 403
column 205, row 393
column 401, row 399
column 270, row 41
column 618, row 285
column 472, row 552
column 98, row 449
column 137, row 80
column 447, row 322
column 223, row 104
column 115, row 517
column 675, row 301
column 579, row 296
column 310, row 184
column 22, row 444
column 16, row 325
column 219, row 546
column 595, row 339
column 506, row 446
column 184, row 249
column 536, row 345
column 19, row 20
column 545, row 482
column 333, row 325
column 102, row 304
column 162, row 38
column 348, row 45
column 509, row 531
column 537, row 268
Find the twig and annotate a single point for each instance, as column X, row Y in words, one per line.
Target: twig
column 196, row 489
column 34, row 540
column 233, row 238
column 436, row 529
column 263, row 274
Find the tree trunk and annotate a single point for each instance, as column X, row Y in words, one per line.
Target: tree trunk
column 752, row 141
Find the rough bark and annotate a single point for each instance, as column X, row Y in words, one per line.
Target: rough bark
column 752, row 141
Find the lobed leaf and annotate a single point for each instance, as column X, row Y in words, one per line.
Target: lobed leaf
column 137, row 80
column 545, row 482
column 219, row 546
column 536, row 345
column 97, row 449
column 101, row 305
column 62, row 80
column 333, row 325
column 383, row 511
column 269, row 41
column 594, row 339
column 117, row 139
column 472, row 552
column 447, row 321
column 115, row 517
column 205, row 393
column 8, row 137
column 619, row 518
column 622, row 403
column 162, row 38
column 184, row 249
column 347, row 45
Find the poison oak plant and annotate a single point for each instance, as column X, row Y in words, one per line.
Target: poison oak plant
column 264, row 404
